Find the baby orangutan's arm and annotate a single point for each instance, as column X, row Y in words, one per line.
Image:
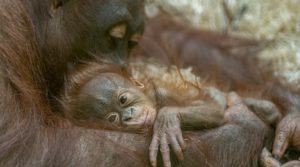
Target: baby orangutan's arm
column 201, row 115
column 265, row 110
column 167, row 127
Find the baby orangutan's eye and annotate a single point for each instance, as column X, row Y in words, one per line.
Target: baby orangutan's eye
column 113, row 117
column 123, row 99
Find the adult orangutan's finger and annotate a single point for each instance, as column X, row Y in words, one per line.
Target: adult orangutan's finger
column 165, row 151
column 282, row 138
column 153, row 149
column 176, row 148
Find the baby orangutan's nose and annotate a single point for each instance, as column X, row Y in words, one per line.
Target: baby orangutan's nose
column 128, row 115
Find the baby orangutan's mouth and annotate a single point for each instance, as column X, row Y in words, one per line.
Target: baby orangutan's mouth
column 143, row 122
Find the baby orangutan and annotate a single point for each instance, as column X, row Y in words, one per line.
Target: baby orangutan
column 106, row 97
column 109, row 101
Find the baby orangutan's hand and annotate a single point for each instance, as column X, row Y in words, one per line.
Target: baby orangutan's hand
column 267, row 160
column 167, row 130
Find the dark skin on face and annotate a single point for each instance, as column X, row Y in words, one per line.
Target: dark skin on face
column 112, row 101
column 78, row 30
column 94, row 26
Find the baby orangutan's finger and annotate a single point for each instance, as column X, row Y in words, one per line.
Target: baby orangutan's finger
column 153, row 149
column 181, row 141
column 165, row 151
column 176, row 148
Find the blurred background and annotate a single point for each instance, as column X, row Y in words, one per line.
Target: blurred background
column 273, row 20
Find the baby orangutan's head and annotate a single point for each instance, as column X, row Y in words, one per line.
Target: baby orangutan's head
column 110, row 101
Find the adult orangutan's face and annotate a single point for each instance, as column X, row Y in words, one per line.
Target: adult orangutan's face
column 90, row 27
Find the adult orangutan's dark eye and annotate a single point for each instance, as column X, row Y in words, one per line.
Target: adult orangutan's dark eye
column 132, row 44
column 123, row 99
column 59, row 3
column 134, row 39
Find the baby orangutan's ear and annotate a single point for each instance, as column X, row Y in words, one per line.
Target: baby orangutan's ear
column 137, row 83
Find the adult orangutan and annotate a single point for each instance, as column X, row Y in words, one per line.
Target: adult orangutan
column 37, row 40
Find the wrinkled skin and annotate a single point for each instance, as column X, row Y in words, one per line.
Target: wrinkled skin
column 167, row 130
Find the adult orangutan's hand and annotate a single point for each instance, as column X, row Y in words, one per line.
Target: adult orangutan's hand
column 287, row 134
column 167, row 130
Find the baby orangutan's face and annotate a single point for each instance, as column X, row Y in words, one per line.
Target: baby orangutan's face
column 135, row 110
column 111, row 101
